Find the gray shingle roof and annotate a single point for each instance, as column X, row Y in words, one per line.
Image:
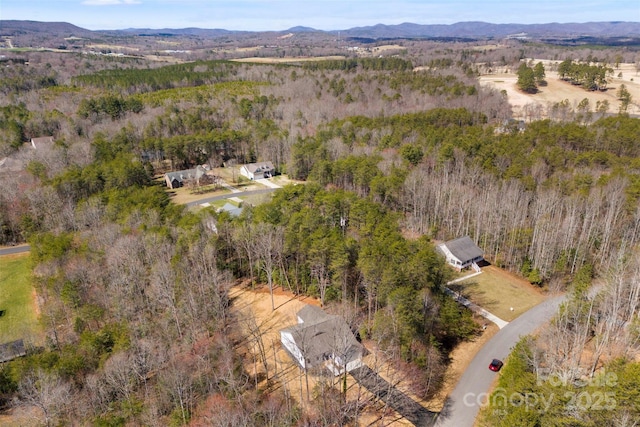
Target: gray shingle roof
column 11, row 350
column 186, row 174
column 231, row 209
column 321, row 335
column 259, row 167
column 464, row 248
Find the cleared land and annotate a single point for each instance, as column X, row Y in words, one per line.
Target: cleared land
column 17, row 301
column 255, row 304
column 557, row 90
column 497, row 291
column 287, row 59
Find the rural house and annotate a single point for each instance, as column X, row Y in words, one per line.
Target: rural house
column 320, row 339
column 258, row 170
column 461, row 253
column 177, row 179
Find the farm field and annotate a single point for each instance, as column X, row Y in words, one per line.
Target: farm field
column 557, row 91
column 264, row 60
column 17, row 301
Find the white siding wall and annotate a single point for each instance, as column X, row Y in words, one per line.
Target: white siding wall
column 451, row 259
column 289, row 343
column 245, row 172
column 336, row 365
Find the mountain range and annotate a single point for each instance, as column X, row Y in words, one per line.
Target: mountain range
column 380, row 31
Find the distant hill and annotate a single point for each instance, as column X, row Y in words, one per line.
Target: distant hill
column 380, row 31
column 198, row 32
column 300, row 29
column 62, row 29
column 484, row 29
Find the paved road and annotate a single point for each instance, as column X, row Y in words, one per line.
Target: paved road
column 230, row 195
column 10, row 250
column 464, row 402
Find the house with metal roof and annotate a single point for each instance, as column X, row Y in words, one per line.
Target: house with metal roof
column 461, row 252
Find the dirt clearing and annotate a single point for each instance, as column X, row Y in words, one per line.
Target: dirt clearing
column 255, row 305
column 287, row 59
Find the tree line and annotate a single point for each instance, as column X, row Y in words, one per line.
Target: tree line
column 590, row 77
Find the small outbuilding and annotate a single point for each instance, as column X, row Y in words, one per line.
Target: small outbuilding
column 322, row 340
column 461, row 252
column 258, row 170
column 232, row 210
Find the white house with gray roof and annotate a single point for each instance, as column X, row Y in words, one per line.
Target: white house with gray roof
column 258, row 170
column 461, row 252
column 322, row 340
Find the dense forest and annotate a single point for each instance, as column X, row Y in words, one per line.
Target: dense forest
column 396, row 152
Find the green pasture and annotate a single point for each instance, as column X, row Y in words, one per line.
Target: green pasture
column 17, row 305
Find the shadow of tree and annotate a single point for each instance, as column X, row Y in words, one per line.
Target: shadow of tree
column 394, row 398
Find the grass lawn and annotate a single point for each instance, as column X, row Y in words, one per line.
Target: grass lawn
column 497, row 291
column 17, row 299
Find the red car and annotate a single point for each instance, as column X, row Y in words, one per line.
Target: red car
column 496, row 365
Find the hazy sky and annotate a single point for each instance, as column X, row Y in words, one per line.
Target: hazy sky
column 256, row 15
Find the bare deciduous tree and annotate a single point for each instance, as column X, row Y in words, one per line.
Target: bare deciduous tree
column 47, row 392
column 269, row 244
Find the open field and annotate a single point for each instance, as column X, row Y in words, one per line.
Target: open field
column 557, row 91
column 111, row 47
column 185, row 195
column 18, row 301
column 287, row 59
column 497, row 291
